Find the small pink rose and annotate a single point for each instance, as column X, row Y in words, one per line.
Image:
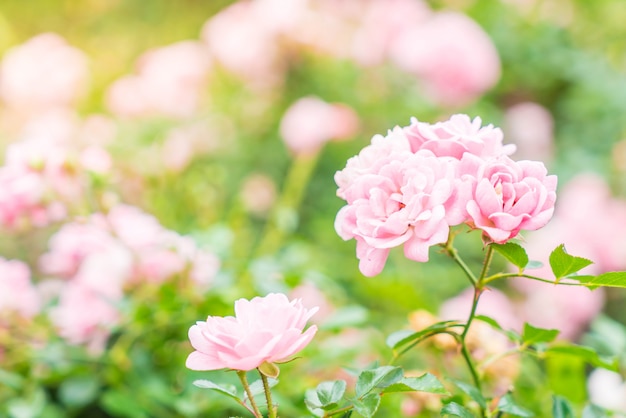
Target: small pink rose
column 264, row 329
column 510, row 196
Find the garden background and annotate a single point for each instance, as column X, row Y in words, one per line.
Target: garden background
column 185, row 110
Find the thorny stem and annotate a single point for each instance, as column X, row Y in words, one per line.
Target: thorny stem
column 271, row 409
column 246, row 386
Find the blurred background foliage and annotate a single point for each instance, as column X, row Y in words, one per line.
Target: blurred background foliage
column 566, row 55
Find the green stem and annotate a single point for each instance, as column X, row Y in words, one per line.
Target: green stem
column 271, row 409
column 528, row 276
column 246, row 387
column 453, row 253
column 486, row 264
column 337, row 411
column 464, row 350
column 290, row 198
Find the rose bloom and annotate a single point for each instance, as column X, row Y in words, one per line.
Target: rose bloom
column 457, row 136
column 406, row 202
column 453, row 57
column 169, row 82
column 531, row 127
column 83, row 316
column 311, row 122
column 264, row 329
column 17, row 293
column 43, row 72
column 510, row 196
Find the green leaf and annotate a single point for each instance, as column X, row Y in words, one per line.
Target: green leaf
column 313, row 403
column 329, row 393
column 400, row 338
column 532, row 335
column 380, row 377
column 121, row 404
column 394, row 338
column 256, row 387
column 611, row 279
column 512, row 335
column 513, row 252
column 79, row 391
column 30, row 407
column 13, row 380
column 587, row 354
column 561, row 408
column 367, row 405
column 225, row 389
column 472, row 391
column 424, row 383
column 508, row 405
column 456, row 410
column 594, row 411
column 563, row 264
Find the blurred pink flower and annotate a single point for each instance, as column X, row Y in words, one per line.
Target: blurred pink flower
column 530, row 126
column 510, row 196
column 69, row 247
column 258, row 194
column 312, row 295
column 493, row 303
column 17, row 293
column 169, row 82
column 380, row 25
column 240, row 39
column 134, row 227
column 566, row 308
column 310, row 122
column 264, row 329
column 188, row 141
column 83, row 316
column 453, row 57
column 43, row 72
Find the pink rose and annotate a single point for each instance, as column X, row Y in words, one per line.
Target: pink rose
column 17, row 294
column 311, row 122
column 457, row 136
column 453, row 57
column 169, row 82
column 531, row 127
column 83, row 316
column 510, row 196
column 404, row 203
column 43, row 72
column 395, row 145
column 264, row 329
column 243, row 44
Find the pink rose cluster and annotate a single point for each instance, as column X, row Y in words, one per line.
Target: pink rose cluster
column 17, row 293
column 98, row 259
column 45, row 171
column 409, row 187
column 266, row 329
column 451, row 56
